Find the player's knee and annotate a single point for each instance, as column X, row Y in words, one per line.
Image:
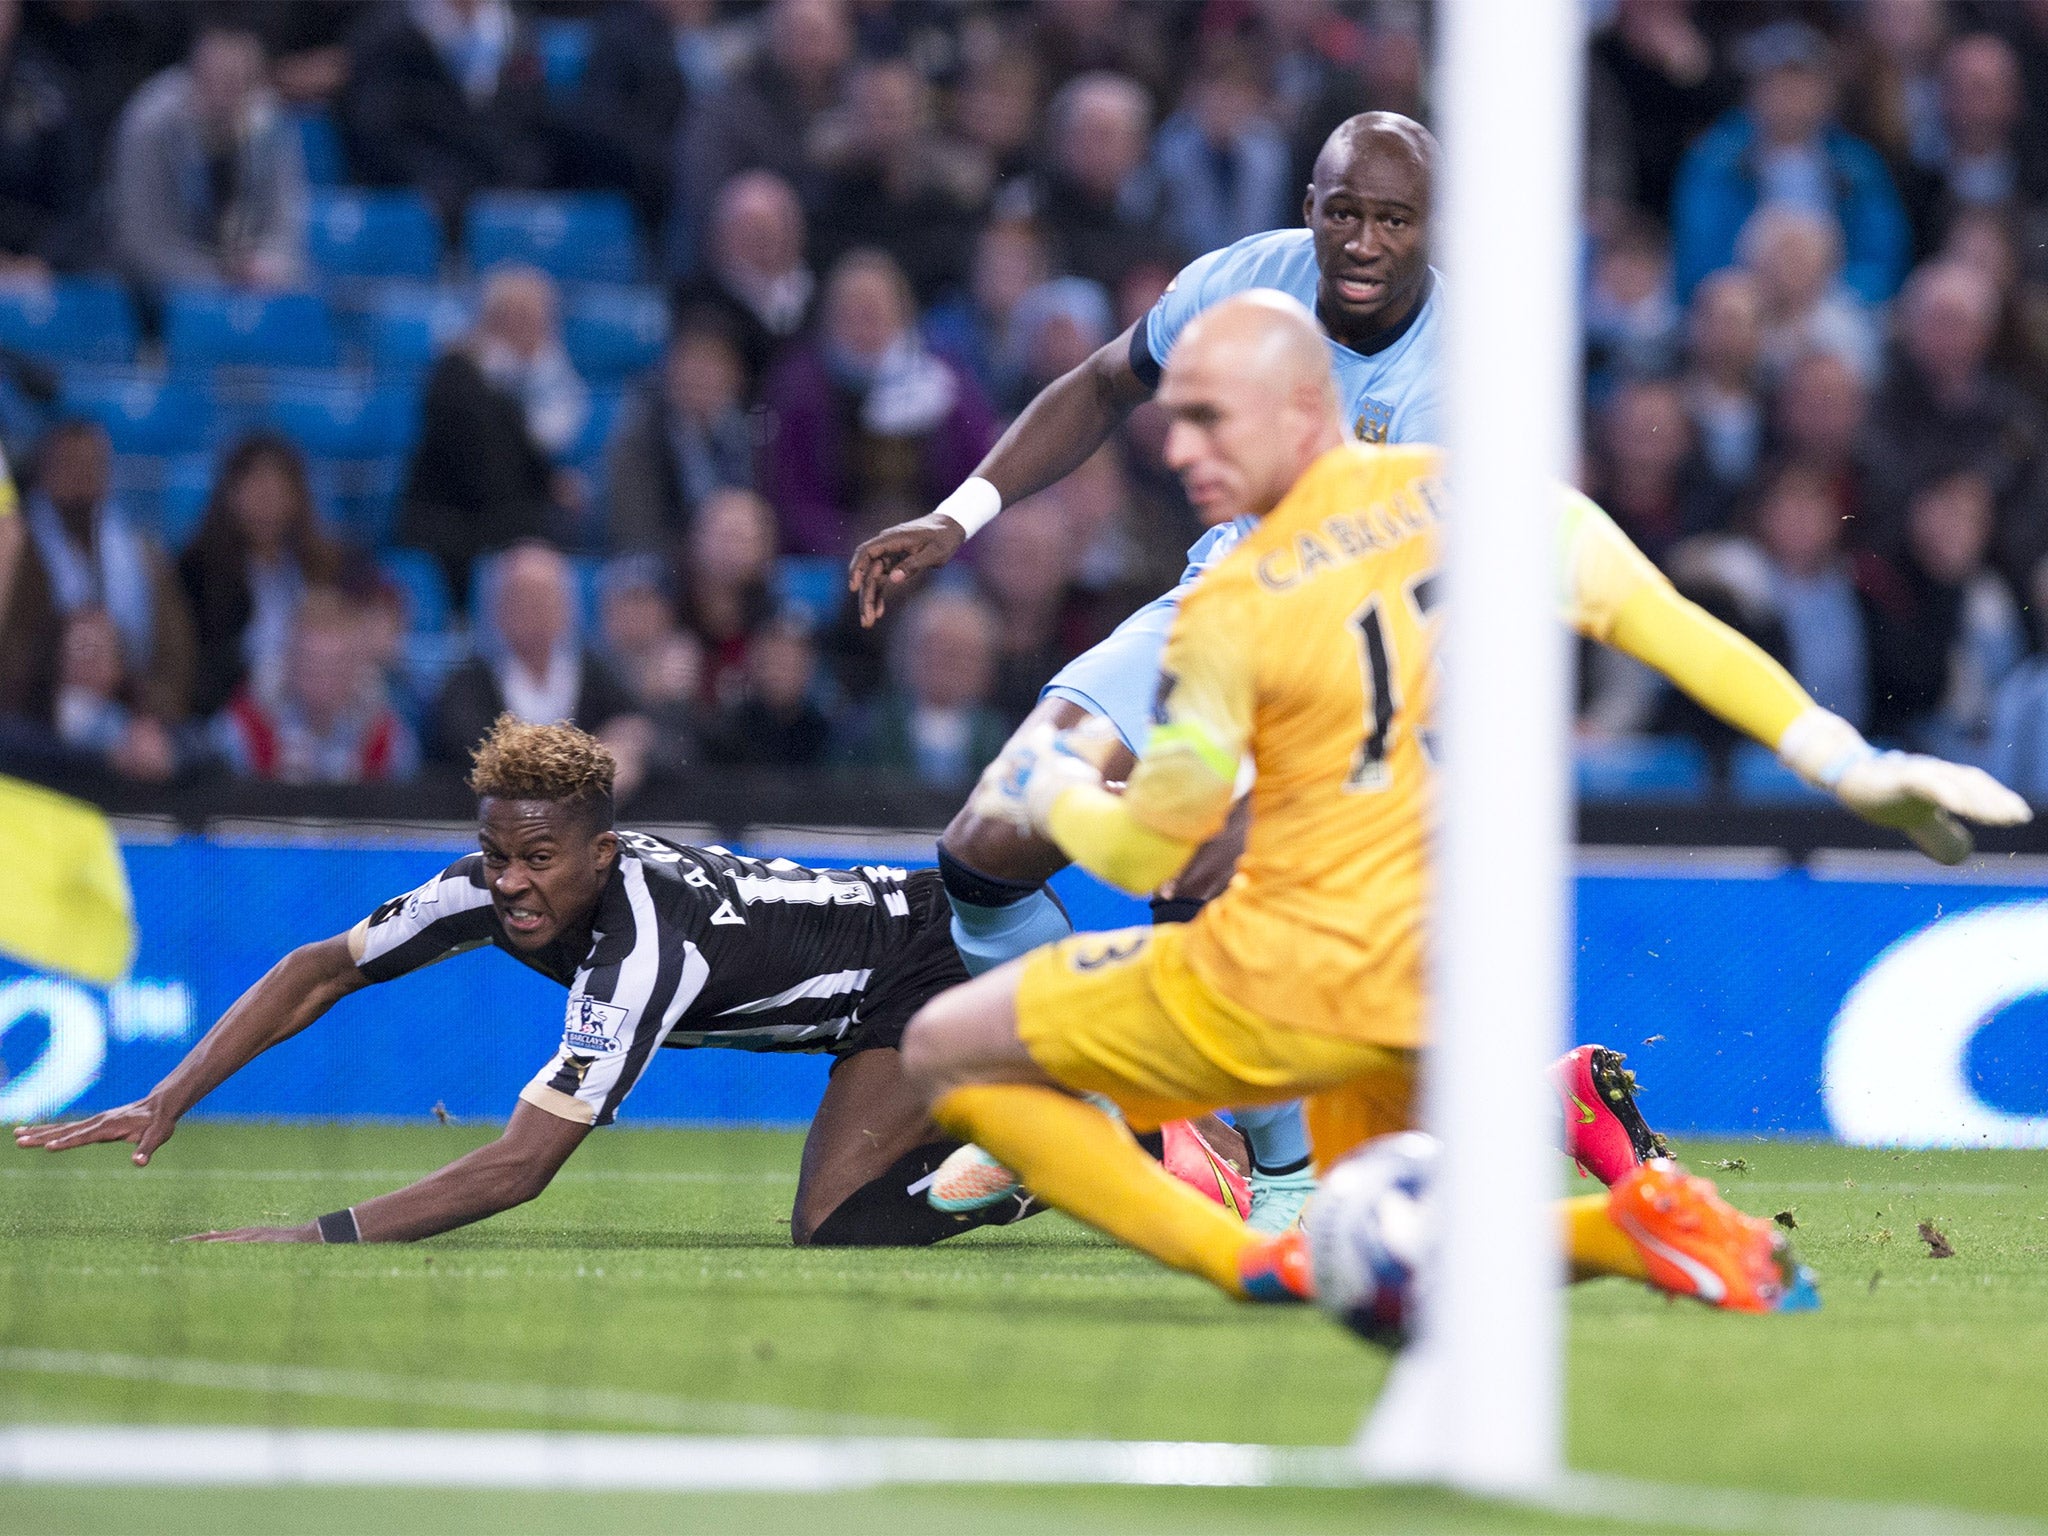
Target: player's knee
column 924, row 1052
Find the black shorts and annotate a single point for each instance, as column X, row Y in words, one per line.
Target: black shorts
column 918, row 972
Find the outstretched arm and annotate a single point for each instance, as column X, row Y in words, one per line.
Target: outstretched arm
column 510, row 1171
column 1620, row 599
column 292, row 994
column 1056, row 433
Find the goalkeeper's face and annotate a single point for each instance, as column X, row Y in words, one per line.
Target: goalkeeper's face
column 546, row 866
column 1249, row 406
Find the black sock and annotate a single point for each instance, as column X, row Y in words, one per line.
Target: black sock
column 883, row 1213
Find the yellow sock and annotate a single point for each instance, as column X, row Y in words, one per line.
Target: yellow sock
column 1594, row 1244
column 1073, row 1156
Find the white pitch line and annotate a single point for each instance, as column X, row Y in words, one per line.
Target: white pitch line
column 600, row 1405
column 193, row 1456
column 1736, row 1182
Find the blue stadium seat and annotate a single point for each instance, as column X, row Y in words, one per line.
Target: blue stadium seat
column 408, row 325
column 320, row 145
column 143, row 413
column 345, row 420
column 579, row 237
column 564, row 52
column 77, row 320
column 213, row 327
column 360, row 496
column 351, row 233
column 418, row 575
column 1650, row 768
column 613, row 333
column 166, row 494
column 812, row 586
column 1758, row 778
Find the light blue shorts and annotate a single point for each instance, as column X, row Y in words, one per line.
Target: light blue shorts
column 1119, row 678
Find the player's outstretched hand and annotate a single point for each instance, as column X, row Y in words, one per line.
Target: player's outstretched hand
column 896, row 555
column 142, row 1122
column 308, row 1232
column 1929, row 799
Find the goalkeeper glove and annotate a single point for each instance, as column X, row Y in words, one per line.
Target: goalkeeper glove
column 1926, row 798
column 1036, row 767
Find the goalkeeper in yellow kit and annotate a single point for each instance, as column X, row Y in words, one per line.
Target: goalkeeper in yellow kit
column 1309, row 650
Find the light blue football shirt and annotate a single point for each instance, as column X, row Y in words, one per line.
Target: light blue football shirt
column 1392, row 395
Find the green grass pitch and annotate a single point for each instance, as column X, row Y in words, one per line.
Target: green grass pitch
column 652, row 1289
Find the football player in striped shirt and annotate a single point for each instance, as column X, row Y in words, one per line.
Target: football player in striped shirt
column 660, row 946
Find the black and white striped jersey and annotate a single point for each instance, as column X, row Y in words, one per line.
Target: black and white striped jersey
column 686, row 947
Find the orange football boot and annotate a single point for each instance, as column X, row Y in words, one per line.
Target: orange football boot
column 1697, row 1244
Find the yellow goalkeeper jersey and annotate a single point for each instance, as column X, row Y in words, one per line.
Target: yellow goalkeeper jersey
column 1310, row 650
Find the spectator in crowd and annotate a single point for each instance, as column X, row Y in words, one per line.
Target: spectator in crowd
column 306, row 41
column 409, row 677
column 894, row 183
column 45, row 178
column 660, row 663
column 1028, row 571
column 448, row 96
column 865, row 418
column 776, row 721
column 1071, row 38
column 1793, row 565
column 764, row 118
column 756, row 275
column 83, row 552
column 1987, row 241
column 1796, row 256
column 935, row 725
column 324, row 718
column 1648, row 471
column 1944, row 629
column 1979, row 164
column 995, row 112
column 1817, row 419
column 727, row 572
column 1722, row 386
column 95, row 718
column 1662, row 68
column 1098, row 201
column 103, row 53
column 972, row 329
column 258, row 548
column 1784, row 147
column 208, row 185
column 1940, row 405
column 1894, row 96
column 632, row 97
column 500, row 405
column 1055, row 328
column 682, row 436
column 533, row 665
column 1222, row 162
column 1631, row 321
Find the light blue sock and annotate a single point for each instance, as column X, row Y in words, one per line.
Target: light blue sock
column 1276, row 1135
column 987, row 936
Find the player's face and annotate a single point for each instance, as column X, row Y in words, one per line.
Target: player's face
column 1220, row 440
column 1370, row 219
column 546, row 869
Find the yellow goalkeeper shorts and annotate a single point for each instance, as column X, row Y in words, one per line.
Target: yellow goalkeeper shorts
column 1122, row 1015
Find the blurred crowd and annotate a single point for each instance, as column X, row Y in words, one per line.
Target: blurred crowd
column 779, row 273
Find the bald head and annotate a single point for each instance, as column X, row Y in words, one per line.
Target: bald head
column 1368, row 210
column 1250, row 402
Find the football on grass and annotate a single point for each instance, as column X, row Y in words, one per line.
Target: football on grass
column 1370, row 1233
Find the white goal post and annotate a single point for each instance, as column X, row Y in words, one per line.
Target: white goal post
column 1476, row 1401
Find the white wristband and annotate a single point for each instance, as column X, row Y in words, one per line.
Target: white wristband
column 973, row 506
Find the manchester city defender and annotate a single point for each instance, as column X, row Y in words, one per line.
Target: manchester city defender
column 1362, row 265
column 660, row 945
